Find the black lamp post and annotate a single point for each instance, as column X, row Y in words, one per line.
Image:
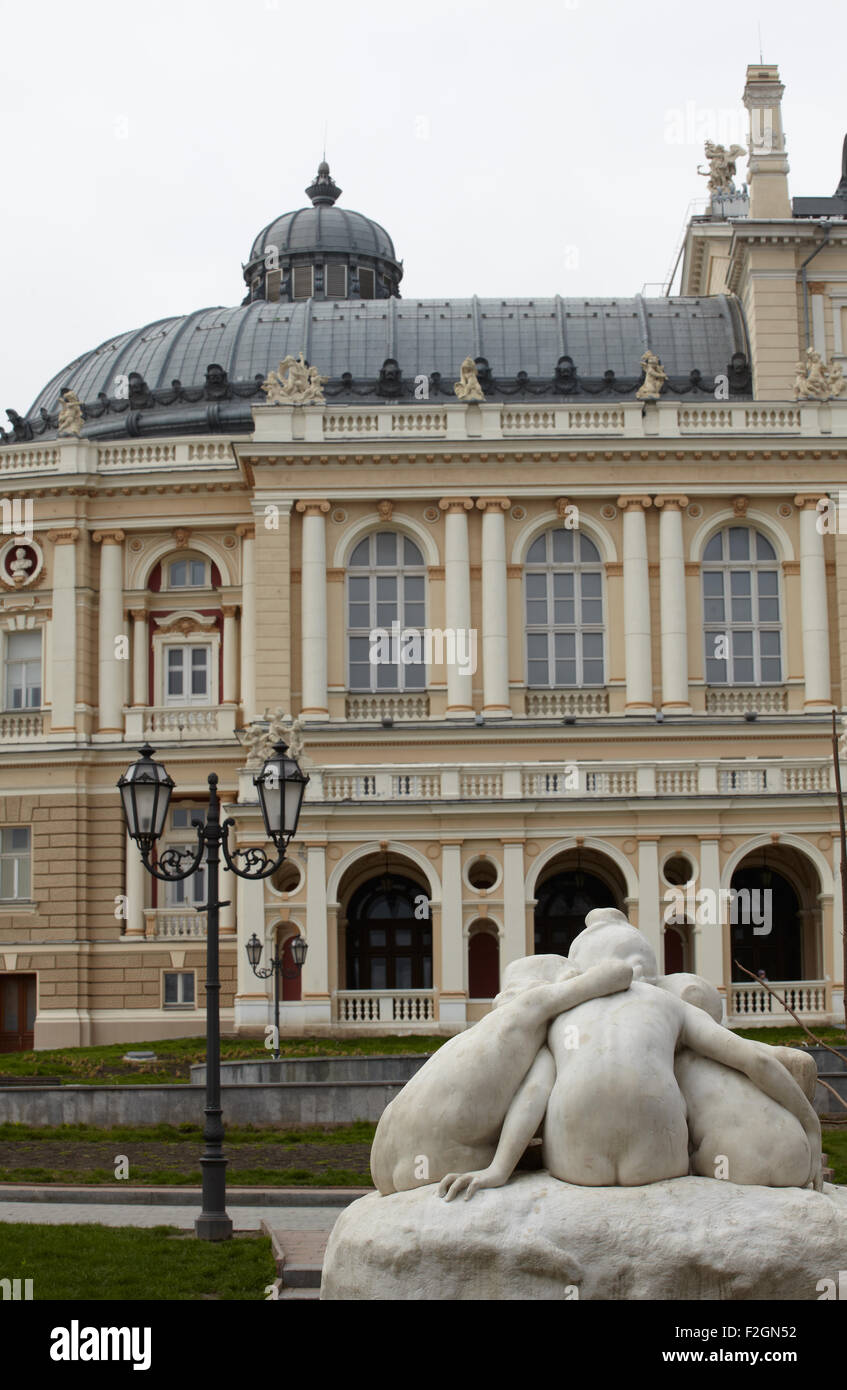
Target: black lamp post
column 276, row 967
column 146, row 792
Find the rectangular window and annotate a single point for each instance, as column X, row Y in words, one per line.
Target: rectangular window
column 187, row 574
column 187, row 674
column 15, row 863
column 366, row 283
column 302, row 280
column 23, row 670
column 178, row 989
column 335, row 280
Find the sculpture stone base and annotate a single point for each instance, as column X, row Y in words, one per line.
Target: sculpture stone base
column 538, row 1238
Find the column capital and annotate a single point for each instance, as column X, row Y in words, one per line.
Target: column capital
column 503, row 503
column 229, row 610
column 313, row 507
column 456, row 504
column 64, row 537
column 673, row 501
column 636, row 500
column 246, row 530
column 808, row 501
column 138, row 615
column 115, row 537
column 613, row 568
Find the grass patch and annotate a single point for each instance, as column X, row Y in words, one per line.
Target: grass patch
column 167, row 1177
column 112, row 1263
column 103, row 1065
column 360, row 1132
column 791, row 1037
column 834, row 1143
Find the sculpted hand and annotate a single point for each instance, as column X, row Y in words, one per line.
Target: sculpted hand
column 610, row 976
column 453, row 1184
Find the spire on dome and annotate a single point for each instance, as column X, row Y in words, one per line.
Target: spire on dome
column 323, row 192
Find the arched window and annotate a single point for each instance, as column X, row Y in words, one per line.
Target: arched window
column 741, row 609
column 385, row 614
column 564, row 610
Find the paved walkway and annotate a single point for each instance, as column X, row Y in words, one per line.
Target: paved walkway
column 146, row 1214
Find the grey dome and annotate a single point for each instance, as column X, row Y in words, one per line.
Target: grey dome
column 324, row 228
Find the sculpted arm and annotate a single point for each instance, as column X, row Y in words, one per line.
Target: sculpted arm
column 522, row 1120
column 703, row 1035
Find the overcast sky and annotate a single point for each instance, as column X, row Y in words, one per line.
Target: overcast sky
column 531, row 148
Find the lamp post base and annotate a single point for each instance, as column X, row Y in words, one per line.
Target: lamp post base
column 213, row 1225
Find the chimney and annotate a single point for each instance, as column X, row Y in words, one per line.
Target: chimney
column 767, row 169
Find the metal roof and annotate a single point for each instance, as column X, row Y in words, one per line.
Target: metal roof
column 324, row 228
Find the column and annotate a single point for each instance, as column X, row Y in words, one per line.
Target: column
column 636, row 606
column 248, row 621
column 650, row 913
column 134, row 886
column 228, row 893
column 708, row 932
column 63, row 634
column 513, row 946
column 140, row 649
column 251, row 1001
column 673, row 612
column 111, row 670
column 457, row 586
column 813, row 602
column 313, row 611
column 316, row 970
column 230, row 662
column 452, row 1006
column 495, row 628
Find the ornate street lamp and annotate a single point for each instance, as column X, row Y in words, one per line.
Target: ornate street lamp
column 276, row 967
column 145, row 790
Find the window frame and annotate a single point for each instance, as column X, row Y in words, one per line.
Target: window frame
column 712, row 628
column 295, row 271
column 372, row 571
column 9, row 662
column 15, row 856
column 551, row 629
column 180, row 1003
column 187, row 559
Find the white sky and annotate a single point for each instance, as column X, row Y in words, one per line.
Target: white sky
column 532, row 148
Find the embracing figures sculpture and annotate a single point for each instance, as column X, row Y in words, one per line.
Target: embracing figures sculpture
column 656, row 1123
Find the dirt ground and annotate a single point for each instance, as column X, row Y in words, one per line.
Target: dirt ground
column 74, row 1157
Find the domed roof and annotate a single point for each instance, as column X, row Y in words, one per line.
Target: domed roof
column 324, row 227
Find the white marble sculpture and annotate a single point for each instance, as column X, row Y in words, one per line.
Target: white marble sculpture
column 261, row 735
column 294, row 383
column 721, row 170
column 70, row 412
column 640, row 1096
column 467, row 388
column 585, row 1048
column 19, row 567
column 655, row 377
column 816, row 381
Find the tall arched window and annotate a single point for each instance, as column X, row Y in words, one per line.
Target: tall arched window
column 386, row 614
column 741, row 609
column 564, row 610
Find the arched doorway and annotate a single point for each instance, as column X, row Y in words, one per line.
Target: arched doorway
column 766, row 926
column 576, row 884
column 291, row 977
column 674, row 951
column 389, row 935
column 483, row 961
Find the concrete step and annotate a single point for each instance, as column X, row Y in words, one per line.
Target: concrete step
column 299, row 1258
column 311, row 1295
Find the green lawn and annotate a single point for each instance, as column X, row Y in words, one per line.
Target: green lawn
column 103, row 1065
column 790, row 1037
column 834, row 1143
column 162, row 1263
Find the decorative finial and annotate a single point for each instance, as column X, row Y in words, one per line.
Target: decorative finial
column 323, row 192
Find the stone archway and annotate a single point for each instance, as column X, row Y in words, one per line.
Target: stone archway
column 572, row 885
column 775, row 915
column 385, row 925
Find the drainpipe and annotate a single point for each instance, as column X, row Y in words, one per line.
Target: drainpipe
column 826, row 228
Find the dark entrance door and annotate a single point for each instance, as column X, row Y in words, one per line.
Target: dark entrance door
column 779, row 951
column 17, row 1013
column 290, row 974
column 562, row 904
column 389, row 940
